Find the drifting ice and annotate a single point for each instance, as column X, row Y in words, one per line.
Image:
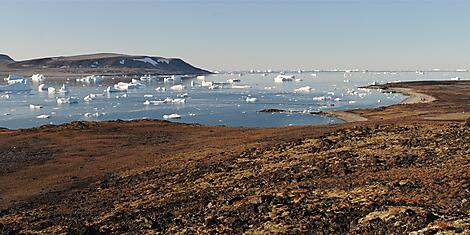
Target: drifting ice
column 304, row 89
column 284, row 78
column 171, row 116
column 22, row 85
column 37, row 77
column 251, row 99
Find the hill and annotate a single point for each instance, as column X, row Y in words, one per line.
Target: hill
column 103, row 63
column 4, row 57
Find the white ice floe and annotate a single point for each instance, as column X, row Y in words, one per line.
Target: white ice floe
column 174, row 101
column 214, row 87
column 322, row 98
column 32, row 106
column 178, row 87
column 182, row 95
column 6, row 96
column 22, row 85
column 90, row 97
column 43, row 87
column 136, row 83
column 171, row 116
column 124, row 86
column 148, row 96
column 201, row 77
column 38, row 77
column 12, row 79
column 91, row 79
column 168, row 100
column 148, row 78
column 64, row 89
column 70, row 100
column 284, row 78
column 113, row 89
column 240, row 86
column 455, row 79
column 251, row 99
column 51, row 90
column 43, row 116
column 173, row 78
column 160, row 89
column 206, row 83
column 304, row 89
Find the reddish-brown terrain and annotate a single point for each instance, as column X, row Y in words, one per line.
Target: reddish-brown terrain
column 403, row 170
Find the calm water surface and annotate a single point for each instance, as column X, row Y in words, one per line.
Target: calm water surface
column 225, row 106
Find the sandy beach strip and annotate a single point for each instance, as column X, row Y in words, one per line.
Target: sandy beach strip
column 413, row 98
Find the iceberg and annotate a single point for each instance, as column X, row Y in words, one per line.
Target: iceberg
column 173, row 78
column 124, row 86
column 304, row 89
column 148, row 78
column 12, row 79
column 112, row 89
column 284, row 78
column 51, row 90
column 206, row 84
column 43, row 87
column 32, row 106
column 178, row 87
column 64, row 89
column 251, row 99
column 44, row 116
column 91, row 79
column 171, row 116
column 241, row 86
column 22, row 85
column 70, row 100
column 38, row 77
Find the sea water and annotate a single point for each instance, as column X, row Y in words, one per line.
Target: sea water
column 226, row 106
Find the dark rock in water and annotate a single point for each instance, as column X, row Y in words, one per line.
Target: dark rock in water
column 272, row 111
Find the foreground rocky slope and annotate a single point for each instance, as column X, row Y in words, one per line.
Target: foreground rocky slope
column 381, row 179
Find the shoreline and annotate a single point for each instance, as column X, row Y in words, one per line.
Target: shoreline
column 414, row 97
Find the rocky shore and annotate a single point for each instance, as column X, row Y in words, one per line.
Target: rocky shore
column 402, row 170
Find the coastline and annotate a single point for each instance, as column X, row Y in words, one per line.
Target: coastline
column 414, row 97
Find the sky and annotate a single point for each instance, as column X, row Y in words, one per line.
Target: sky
column 243, row 34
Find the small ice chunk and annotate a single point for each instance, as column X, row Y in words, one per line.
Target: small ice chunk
column 171, row 116
column 43, row 116
column 178, row 87
column 304, row 89
column 251, row 99
column 32, row 106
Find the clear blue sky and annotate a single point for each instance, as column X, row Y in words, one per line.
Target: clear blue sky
column 258, row 34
